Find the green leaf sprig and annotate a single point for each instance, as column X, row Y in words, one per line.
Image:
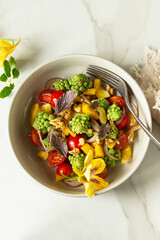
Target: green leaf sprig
column 10, row 73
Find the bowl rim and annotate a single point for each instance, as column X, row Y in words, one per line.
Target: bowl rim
column 69, row 56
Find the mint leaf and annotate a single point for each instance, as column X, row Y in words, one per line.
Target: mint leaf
column 3, row 77
column 7, row 68
column 11, row 85
column 12, row 62
column 15, row 73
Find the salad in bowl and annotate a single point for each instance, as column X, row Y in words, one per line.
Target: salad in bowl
column 82, row 128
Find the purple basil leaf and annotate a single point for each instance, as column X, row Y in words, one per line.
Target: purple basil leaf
column 59, row 145
column 103, row 131
column 65, row 101
column 95, row 104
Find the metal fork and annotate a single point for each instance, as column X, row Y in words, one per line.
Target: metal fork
column 119, row 84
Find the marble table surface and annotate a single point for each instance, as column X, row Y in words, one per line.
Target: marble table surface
column 117, row 30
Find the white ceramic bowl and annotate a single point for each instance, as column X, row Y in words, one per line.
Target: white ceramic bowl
column 19, row 127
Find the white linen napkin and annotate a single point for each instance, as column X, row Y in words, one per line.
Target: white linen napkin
column 147, row 74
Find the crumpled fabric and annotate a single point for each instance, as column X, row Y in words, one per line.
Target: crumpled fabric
column 147, row 74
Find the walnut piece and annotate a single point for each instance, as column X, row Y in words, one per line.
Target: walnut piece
column 75, row 151
column 66, row 114
column 58, row 123
column 77, row 107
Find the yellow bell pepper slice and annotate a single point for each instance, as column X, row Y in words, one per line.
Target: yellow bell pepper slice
column 102, row 115
column 97, row 83
column 102, row 93
column 91, row 91
column 86, row 148
column 67, row 132
column 87, row 109
column 47, row 108
column 99, row 152
column 58, row 177
column 131, row 120
column 43, row 155
column 36, row 108
column 112, row 145
column 126, row 153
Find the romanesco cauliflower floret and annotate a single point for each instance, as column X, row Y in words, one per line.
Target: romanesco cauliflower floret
column 77, row 161
column 114, row 153
column 114, row 112
column 79, row 82
column 102, row 102
column 80, row 123
column 62, row 84
column 41, row 122
column 112, row 133
column 46, row 142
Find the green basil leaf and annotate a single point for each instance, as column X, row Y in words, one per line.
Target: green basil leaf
column 3, row 77
column 12, row 62
column 7, row 68
column 6, row 91
column 15, row 73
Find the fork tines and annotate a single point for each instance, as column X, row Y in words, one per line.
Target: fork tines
column 104, row 74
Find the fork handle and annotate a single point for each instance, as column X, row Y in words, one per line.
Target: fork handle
column 154, row 140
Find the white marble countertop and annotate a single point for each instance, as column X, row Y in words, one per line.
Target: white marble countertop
column 117, row 30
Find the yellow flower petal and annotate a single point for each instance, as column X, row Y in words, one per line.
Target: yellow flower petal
column 98, row 183
column 6, row 49
column 89, row 190
column 87, row 173
column 88, row 158
column 98, row 165
column 78, row 172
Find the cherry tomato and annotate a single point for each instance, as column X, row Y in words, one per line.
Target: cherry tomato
column 45, row 96
column 119, row 101
column 55, row 96
column 73, row 142
column 123, row 123
column 65, row 169
column 55, row 159
column 35, row 138
column 122, row 139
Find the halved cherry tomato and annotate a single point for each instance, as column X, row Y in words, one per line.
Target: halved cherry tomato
column 35, row 138
column 73, row 142
column 123, row 123
column 119, row 101
column 55, row 96
column 45, row 96
column 122, row 139
column 55, row 159
column 65, row 169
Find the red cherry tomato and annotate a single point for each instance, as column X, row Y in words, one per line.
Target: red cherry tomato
column 123, row 123
column 55, row 96
column 45, row 96
column 55, row 159
column 122, row 139
column 35, row 138
column 65, row 169
column 73, row 142
column 119, row 101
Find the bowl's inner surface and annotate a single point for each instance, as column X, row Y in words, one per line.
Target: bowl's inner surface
column 19, row 127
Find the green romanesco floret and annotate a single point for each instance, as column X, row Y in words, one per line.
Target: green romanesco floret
column 77, row 161
column 114, row 112
column 112, row 133
column 114, row 153
column 62, row 84
column 102, row 102
column 46, row 142
column 41, row 122
column 80, row 123
column 79, row 82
